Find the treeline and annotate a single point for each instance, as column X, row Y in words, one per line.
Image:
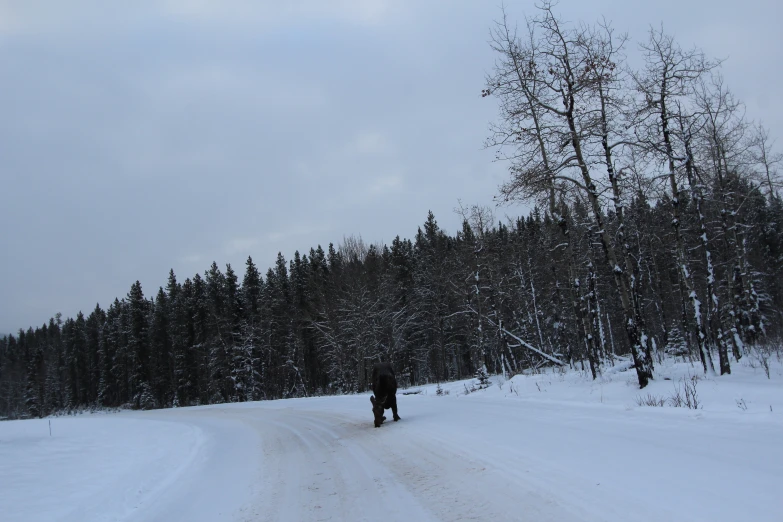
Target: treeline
column 440, row 307
column 581, row 128
column 656, row 230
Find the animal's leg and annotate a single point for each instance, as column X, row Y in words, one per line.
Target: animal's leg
column 394, row 409
column 375, row 406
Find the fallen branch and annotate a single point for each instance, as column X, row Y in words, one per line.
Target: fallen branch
column 534, row 349
column 619, row 367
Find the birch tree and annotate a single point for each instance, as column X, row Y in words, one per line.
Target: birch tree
column 553, row 73
column 669, row 76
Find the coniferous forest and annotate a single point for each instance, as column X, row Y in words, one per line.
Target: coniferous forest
column 656, row 231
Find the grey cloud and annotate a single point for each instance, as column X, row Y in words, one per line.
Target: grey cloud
column 155, row 135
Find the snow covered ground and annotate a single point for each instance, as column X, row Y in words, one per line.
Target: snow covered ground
column 548, row 447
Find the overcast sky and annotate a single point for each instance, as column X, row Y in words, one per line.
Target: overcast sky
column 141, row 136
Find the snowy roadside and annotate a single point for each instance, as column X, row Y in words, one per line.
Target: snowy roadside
column 746, row 393
column 94, row 467
column 550, row 446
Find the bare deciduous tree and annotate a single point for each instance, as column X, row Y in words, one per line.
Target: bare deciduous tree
column 550, row 89
column 668, row 78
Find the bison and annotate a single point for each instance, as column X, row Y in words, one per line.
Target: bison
column 384, row 386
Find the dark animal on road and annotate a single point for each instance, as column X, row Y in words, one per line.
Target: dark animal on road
column 384, row 386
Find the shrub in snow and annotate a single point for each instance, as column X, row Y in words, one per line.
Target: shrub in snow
column 483, row 378
column 31, row 402
column 650, row 400
column 761, row 354
column 144, row 399
column 685, row 394
column 676, row 344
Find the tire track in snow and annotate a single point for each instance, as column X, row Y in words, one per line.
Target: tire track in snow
column 462, row 458
column 314, row 471
column 333, row 465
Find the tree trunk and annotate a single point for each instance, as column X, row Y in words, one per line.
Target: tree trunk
column 642, row 363
column 701, row 337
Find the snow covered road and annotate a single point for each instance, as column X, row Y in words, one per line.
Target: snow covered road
column 450, row 458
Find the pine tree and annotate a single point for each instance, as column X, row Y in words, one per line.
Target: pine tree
column 93, row 332
column 198, row 314
column 113, row 371
column 232, row 319
column 482, row 376
column 178, row 342
column 54, row 362
column 161, row 371
column 138, row 349
column 34, row 385
column 247, row 359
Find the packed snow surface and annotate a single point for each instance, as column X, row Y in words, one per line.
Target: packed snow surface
column 555, row 446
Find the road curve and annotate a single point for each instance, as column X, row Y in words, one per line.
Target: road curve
column 457, row 458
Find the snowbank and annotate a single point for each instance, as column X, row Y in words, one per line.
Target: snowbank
column 550, row 446
column 745, row 393
column 92, row 467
